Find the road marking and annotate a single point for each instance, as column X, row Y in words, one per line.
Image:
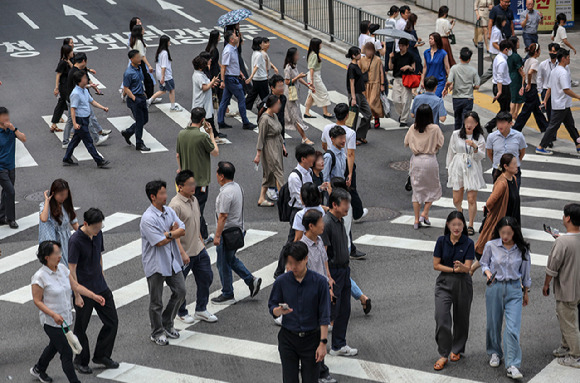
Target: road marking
column 166, row 6
column 551, row 176
column 555, row 373
column 113, row 2
column 551, row 160
column 542, row 193
column 420, row 245
column 96, row 81
column 138, row 289
column 81, row 153
column 351, row 367
column 130, row 373
column 537, row 235
column 122, row 123
column 70, row 11
column 28, row 21
column 24, row 223
column 319, row 122
column 23, row 157
column 525, row 211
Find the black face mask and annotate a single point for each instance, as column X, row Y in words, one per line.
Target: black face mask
column 553, row 56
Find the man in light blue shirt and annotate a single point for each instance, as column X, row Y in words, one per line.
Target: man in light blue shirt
column 80, row 112
column 335, row 156
column 530, row 21
column 231, row 83
column 134, row 89
column 430, row 98
column 162, row 261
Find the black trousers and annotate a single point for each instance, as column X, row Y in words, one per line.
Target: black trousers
column 504, row 101
column 356, row 202
column 58, row 343
column 106, row 339
column 259, row 88
column 557, row 118
column 7, row 199
column 296, row 351
column 202, row 199
column 59, row 108
column 340, row 311
column 532, row 105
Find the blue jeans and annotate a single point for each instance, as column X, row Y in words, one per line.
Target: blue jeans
column 141, row 116
column 355, row 291
column 233, row 87
column 504, row 298
column 94, row 127
column 461, row 106
column 200, row 266
column 226, row 262
column 530, row 38
column 82, row 135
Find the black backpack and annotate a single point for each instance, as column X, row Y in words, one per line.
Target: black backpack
column 333, row 164
column 284, row 209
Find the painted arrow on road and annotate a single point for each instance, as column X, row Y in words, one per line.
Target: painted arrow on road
column 177, row 9
column 70, row 11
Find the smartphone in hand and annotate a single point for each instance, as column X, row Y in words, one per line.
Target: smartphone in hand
column 490, row 281
column 553, row 232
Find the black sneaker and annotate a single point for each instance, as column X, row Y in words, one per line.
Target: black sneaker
column 107, row 362
column 358, row 254
column 40, row 375
column 104, row 164
column 255, row 287
column 69, row 162
column 13, row 224
column 221, row 135
column 3, row 221
column 249, row 126
column 83, row 369
column 221, row 300
column 225, row 126
column 127, row 137
column 403, row 125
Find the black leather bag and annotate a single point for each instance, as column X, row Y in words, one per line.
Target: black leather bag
column 408, row 185
column 233, row 238
column 485, row 211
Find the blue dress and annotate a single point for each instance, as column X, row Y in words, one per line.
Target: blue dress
column 52, row 231
column 436, row 68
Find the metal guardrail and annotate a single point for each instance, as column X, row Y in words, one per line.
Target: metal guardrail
column 338, row 20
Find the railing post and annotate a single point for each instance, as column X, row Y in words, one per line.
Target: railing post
column 282, row 9
column 305, row 12
column 480, row 58
column 331, row 19
column 358, row 25
column 261, row 5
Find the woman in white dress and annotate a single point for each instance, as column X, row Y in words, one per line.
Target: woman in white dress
column 465, row 173
column 319, row 95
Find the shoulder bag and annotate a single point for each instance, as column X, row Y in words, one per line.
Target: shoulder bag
column 233, row 237
column 292, row 92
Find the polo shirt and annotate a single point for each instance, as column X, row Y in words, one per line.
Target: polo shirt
column 534, row 19
column 560, row 80
column 194, row 147
column 513, row 143
column 339, row 169
column 564, row 266
column 86, row 254
column 350, row 136
column 188, row 211
column 81, row 99
column 230, row 201
column 133, row 79
column 165, row 260
column 57, row 293
column 7, row 149
column 309, row 300
column 295, row 185
column 435, row 102
column 464, row 77
column 501, row 73
column 462, row 251
column 231, row 60
column 509, row 15
column 336, row 241
column 316, row 255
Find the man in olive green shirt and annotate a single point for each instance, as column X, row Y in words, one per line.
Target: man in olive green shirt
column 195, row 145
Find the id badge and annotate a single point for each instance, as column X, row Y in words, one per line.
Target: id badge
column 203, row 189
column 468, row 162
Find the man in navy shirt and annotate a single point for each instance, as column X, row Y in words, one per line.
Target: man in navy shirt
column 303, row 297
column 8, row 136
column 85, row 249
column 503, row 8
column 134, row 89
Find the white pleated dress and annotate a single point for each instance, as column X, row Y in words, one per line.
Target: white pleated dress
column 459, row 155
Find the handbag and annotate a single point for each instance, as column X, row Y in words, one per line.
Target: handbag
column 386, row 104
column 451, row 38
column 485, row 211
column 292, row 92
column 352, row 118
column 72, row 339
column 411, row 81
column 233, row 237
column 408, row 185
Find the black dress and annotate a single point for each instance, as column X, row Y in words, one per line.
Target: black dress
column 513, row 208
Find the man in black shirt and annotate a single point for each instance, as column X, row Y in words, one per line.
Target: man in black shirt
column 355, row 86
column 402, row 63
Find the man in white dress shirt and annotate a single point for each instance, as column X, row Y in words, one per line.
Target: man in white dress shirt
column 501, row 81
column 404, row 12
column 543, row 79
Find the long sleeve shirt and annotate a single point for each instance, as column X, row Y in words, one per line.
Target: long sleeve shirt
column 508, row 264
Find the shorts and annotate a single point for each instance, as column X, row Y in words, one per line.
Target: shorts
column 167, row 86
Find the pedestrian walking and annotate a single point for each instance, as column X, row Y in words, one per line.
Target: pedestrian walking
column 436, row 63
column 162, row 262
column 391, row 23
column 465, row 152
column 8, row 135
column 496, row 36
column 505, row 140
column 453, row 256
column 517, row 77
column 302, row 297
column 62, row 69
column 57, row 217
column 229, row 208
column 259, row 76
column 134, row 21
column 402, row 63
column 445, row 28
column 270, row 149
column 372, row 66
column 506, row 264
column 462, row 80
column 136, row 101
column 561, row 97
column 196, row 259
column 277, row 88
column 269, row 64
column 300, row 176
column 136, row 42
column 545, row 70
column 164, row 74
column 335, row 163
column 355, row 85
column 80, row 111
column 564, row 268
column 531, row 19
column 559, row 35
column 319, row 95
column 503, row 9
column 501, row 83
column 52, row 287
column 532, row 100
column 430, row 98
column 202, row 92
column 231, row 81
column 214, row 70
column 424, row 139
column 404, row 13
column 482, row 8
column 414, row 45
column 86, row 267
column 379, row 45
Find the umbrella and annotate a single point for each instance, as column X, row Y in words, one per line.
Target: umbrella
column 395, row 34
column 234, row 17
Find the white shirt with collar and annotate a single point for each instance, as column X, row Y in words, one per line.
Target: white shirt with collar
column 400, row 25
column 544, row 71
column 501, row 73
column 294, row 185
column 57, row 293
column 560, row 80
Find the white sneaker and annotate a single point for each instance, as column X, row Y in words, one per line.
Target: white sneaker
column 345, row 351
column 220, row 141
column 176, row 108
column 494, row 361
column 365, row 213
column 65, row 146
column 234, row 114
column 105, row 132
column 148, row 102
column 278, row 320
column 156, row 100
column 560, row 352
column 186, row 319
column 569, row 362
column 101, row 140
column 514, row 373
column 205, row 316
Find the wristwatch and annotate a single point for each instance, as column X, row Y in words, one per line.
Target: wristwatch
column 324, row 341
column 169, row 235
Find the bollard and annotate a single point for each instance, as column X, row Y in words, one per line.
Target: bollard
column 480, row 58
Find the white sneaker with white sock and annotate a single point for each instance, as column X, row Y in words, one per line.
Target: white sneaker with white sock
column 344, row 351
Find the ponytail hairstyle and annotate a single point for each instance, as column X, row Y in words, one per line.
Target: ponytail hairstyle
column 271, row 100
column 393, row 11
column 65, row 51
column 163, row 46
column 353, row 52
column 559, row 18
column 532, row 49
column 136, row 34
column 518, row 238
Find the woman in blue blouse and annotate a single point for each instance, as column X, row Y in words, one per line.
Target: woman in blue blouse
column 506, row 263
column 436, row 63
column 453, row 255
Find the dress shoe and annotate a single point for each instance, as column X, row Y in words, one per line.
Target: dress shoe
column 69, row 162
column 107, row 362
column 104, row 164
column 249, row 126
column 126, row 136
column 13, row 224
column 357, row 254
column 222, row 135
column 142, row 148
column 225, row 126
column 83, row 369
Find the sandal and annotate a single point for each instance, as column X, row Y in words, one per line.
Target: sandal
column 367, row 306
column 440, row 364
column 329, row 116
column 265, row 204
column 470, row 231
column 307, row 141
column 454, row 357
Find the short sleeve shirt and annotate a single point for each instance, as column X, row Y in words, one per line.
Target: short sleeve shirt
column 63, row 68
column 435, row 102
column 350, row 136
column 316, row 255
column 230, row 201
column 194, row 147
column 354, row 73
column 163, row 62
column 7, row 149
column 495, row 37
column 531, row 64
column 509, row 15
column 400, row 61
column 57, row 293
column 201, row 99
column 560, row 80
column 297, row 224
column 259, row 61
column 187, row 209
column 133, row 79
column 513, row 143
column 313, row 62
column 231, row 60
column 560, row 35
column 534, row 19
column 462, row 251
column 464, row 77
column 86, row 253
column 80, row 99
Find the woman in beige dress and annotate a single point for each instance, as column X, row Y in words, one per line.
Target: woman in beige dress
column 270, row 148
column 370, row 63
column 425, row 139
column 482, row 8
column 319, row 95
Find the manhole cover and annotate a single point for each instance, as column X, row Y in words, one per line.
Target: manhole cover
column 377, row 214
column 402, row 166
column 35, row 197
